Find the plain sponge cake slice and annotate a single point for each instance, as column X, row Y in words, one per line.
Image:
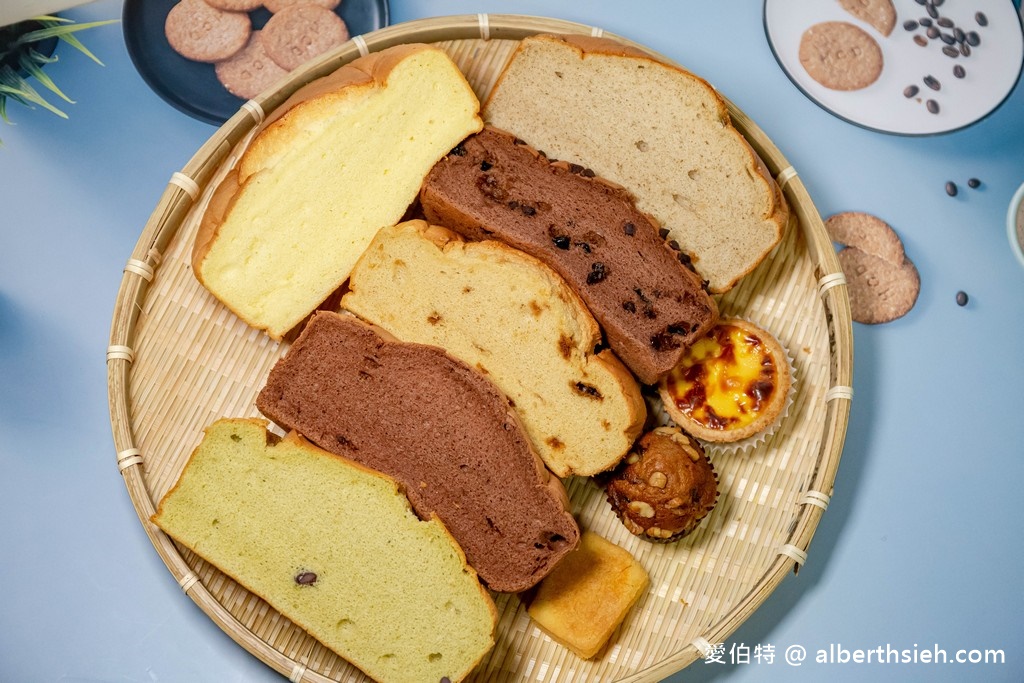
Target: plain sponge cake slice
column 440, row 428
column 514, row 319
column 340, row 159
column 336, row 548
column 658, row 130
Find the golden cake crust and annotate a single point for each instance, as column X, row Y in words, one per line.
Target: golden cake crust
column 731, row 385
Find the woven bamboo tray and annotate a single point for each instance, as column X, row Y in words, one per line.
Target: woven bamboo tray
column 178, row 360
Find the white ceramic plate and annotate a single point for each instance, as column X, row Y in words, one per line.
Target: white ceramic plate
column 992, row 68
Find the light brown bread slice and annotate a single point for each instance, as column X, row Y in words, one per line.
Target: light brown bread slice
column 661, row 132
column 335, row 548
column 437, row 426
column 515, row 320
column 339, row 160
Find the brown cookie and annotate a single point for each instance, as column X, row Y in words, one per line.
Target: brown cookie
column 249, row 71
column 278, row 5
column 879, row 13
column 299, row 33
column 880, row 291
column 235, row 5
column 840, row 56
column 867, row 233
column 197, row 31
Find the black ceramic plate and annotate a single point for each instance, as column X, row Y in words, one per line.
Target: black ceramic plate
column 192, row 87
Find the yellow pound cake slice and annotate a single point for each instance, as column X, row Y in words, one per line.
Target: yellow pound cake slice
column 342, row 158
column 334, row 547
column 516, row 321
column 658, row 130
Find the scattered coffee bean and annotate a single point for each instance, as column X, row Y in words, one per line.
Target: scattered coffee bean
column 932, row 12
column 944, row 22
column 932, row 82
column 959, row 71
column 959, row 34
column 925, row 21
column 910, row 91
column 973, row 39
column 973, row 183
column 962, row 298
column 951, row 188
column 921, row 40
column 933, row 32
column 910, row 25
column 937, row 3
column 920, row 2
column 981, row 18
column 933, row 106
column 950, row 51
column 947, row 38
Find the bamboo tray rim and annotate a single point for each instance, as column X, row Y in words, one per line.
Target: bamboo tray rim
column 184, row 187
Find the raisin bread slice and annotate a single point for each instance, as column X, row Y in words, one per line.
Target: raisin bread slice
column 515, row 320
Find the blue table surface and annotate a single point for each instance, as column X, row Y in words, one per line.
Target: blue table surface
column 920, row 549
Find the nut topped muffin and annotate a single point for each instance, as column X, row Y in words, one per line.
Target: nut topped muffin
column 664, row 487
column 731, row 385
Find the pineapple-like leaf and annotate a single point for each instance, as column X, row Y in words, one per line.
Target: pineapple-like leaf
column 32, row 68
column 56, row 27
column 21, row 90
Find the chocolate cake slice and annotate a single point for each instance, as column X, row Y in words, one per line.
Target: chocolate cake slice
column 439, row 428
column 643, row 292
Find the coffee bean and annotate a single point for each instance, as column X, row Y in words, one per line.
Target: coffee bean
column 951, row 188
column 973, row 183
column 921, row 40
column 925, row 21
column 965, row 49
column 932, row 12
column 933, row 32
column 910, row 24
column 932, row 83
column 959, row 71
column 981, row 18
column 921, row 2
column 950, row 51
column 937, row 3
column 947, row 38
column 933, row 106
column 944, row 22
column 962, row 298
column 910, row 91
column 973, row 39
column 959, row 34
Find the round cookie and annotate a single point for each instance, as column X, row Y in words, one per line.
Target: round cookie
column 197, row 31
column 235, row 5
column 278, row 5
column 664, row 487
column 249, row 71
column 881, row 14
column 299, row 33
column 867, row 233
column 880, row 291
column 840, row 56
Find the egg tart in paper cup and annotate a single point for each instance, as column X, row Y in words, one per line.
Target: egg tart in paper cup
column 732, row 388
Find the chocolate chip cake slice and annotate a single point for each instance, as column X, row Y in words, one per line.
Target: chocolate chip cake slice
column 439, row 428
column 643, row 291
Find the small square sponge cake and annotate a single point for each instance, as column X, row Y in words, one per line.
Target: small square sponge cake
column 588, row 594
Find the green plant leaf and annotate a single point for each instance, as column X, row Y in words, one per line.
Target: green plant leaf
column 21, row 90
column 32, row 68
column 63, row 32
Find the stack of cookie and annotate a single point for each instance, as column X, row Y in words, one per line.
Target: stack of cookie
column 247, row 60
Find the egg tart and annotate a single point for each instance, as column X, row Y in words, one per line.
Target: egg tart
column 733, row 384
